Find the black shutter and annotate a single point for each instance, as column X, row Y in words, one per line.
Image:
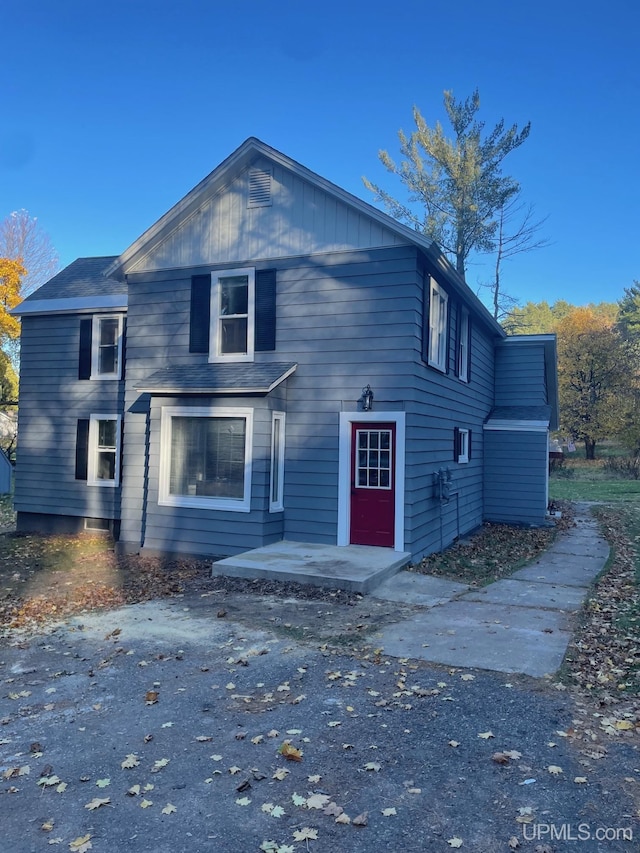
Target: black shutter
column 265, row 326
column 469, row 445
column 469, row 359
column 82, row 449
column 200, row 313
column 456, row 444
column 84, row 354
column 121, row 451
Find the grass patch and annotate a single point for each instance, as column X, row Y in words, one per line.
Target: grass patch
column 7, row 514
column 594, row 489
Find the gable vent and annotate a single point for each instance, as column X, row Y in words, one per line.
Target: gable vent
column 259, row 187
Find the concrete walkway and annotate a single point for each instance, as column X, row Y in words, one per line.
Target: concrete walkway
column 522, row 624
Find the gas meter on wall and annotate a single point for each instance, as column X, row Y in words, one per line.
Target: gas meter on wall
column 442, row 482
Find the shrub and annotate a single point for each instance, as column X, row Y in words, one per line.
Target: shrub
column 625, row 467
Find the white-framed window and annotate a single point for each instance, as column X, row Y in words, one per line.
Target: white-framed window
column 462, row 365
column 206, row 457
column 463, row 445
column 103, row 461
column 106, row 346
column 438, row 326
column 276, row 479
column 232, row 315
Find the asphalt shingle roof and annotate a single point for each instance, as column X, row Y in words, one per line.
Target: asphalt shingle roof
column 520, row 413
column 83, row 277
column 217, row 378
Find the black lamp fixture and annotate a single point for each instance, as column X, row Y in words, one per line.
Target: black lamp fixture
column 367, row 398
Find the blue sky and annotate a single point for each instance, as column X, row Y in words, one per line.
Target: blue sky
column 112, row 111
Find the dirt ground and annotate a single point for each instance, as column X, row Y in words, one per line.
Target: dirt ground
column 146, row 706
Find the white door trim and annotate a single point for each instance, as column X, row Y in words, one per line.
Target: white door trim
column 344, row 471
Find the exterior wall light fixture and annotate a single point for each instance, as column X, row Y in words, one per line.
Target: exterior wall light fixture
column 367, row 398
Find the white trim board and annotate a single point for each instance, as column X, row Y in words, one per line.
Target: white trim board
column 80, row 304
column 344, row 471
column 516, row 426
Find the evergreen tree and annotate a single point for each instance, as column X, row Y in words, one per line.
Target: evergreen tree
column 457, row 182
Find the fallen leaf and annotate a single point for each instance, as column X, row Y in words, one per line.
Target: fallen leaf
column 554, row 769
column 514, row 843
column 454, row 743
column 333, row 810
column 388, row 812
column 277, row 811
column 455, row 842
column 298, row 800
column 372, row 765
column 484, row 736
column 317, row 801
column 151, row 697
column 81, row 844
column 314, row 779
column 290, row 752
column 97, row 802
column 233, row 770
column 500, row 758
column 130, row 761
column 159, row 764
column 280, row 774
column 134, row 791
column 306, row 833
column 343, row 818
column 48, row 825
column 243, row 801
column 257, row 739
column 103, row 783
column 580, row 780
column 145, row 804
column 169, row 809
column 361, row 820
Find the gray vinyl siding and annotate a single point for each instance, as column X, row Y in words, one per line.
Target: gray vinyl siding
column 520, row 374
column 302, row 220
column 52, row 399
column 347, row 319
column 515, row 488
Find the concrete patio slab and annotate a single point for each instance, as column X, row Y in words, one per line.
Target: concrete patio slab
column 423, row 590
column 357, row 568
column 468, row 634
column 550, row 596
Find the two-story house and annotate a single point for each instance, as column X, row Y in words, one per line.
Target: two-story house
column 276, row 359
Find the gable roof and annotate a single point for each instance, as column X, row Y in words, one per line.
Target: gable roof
column 241, row 159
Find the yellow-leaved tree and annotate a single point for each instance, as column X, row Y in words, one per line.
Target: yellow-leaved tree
column 11, row 274
column 596, row 375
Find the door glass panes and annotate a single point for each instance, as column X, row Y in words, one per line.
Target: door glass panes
column 373, row 458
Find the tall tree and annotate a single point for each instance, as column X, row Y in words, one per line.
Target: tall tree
column 457, row 182
column 594, row 377
column 11, row 275
column 629, row 312
column 518, row 231
column 22, row 239
column 540, row 318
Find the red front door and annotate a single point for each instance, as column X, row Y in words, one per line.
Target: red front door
column 373, row 485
